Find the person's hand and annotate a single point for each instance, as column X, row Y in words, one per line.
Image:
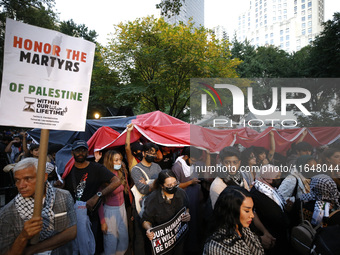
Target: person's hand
column 289, row 205
column 142, row 180
column 104, row 227
column 59, row 184
column 97, row 155
column 268, row 241
column 91, row 202
column 32, row 227
column 129, row 127
column 195, row 181
column 150, row 234
column 186, row 217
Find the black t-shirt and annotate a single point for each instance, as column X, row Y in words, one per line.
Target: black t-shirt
column 157, row 211
column 87, row 180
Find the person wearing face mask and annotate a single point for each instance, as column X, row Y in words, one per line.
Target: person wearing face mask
column 143, row 174
column 133, row 151
column 112, row 213
column 163, row 204
column 188, row 180
column 233, row 214
column 270, row 207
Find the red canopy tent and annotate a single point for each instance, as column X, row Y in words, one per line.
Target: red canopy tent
column 166, row 130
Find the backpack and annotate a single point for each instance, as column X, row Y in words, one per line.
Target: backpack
column 302, row 236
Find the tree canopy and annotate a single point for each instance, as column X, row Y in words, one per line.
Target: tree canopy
column 156, row 60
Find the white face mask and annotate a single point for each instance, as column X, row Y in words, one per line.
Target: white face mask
column 117, row 167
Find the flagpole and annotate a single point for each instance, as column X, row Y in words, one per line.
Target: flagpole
column 40, row 182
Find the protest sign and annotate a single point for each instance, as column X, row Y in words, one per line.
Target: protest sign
column 46, row 78
column 167, row 235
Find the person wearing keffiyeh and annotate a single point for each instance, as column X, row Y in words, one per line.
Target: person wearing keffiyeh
column 270, row 207
column 55, row 228
column 233, row 213
column 325, row 197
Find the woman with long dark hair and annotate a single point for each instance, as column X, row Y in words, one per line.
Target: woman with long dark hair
column 233, row 213
column 163, row 204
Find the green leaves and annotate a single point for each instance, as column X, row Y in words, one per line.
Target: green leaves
column 155, row 61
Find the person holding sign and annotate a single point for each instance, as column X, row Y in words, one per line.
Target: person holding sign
column 233, row 213
column 56, row 226
column 161, row 206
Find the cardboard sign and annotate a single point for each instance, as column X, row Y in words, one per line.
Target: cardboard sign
column 167, row 235
column 46, row 78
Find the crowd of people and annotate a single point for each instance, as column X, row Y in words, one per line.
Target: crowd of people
column 111, row 203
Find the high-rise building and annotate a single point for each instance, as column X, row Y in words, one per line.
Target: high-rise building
column 190, row 9
column 288, row 24
column 220, row 33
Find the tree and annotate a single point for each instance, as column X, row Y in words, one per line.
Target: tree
column 325, row 52
column 103, row 83
column 71, row 28
column 169, row 7
column 33, row 12
column 156, row 60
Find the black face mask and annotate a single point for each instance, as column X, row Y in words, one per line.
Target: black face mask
column 171, row 190
column 149, row 158
column 138, row 156
column 276, row 183
column 187, row 161
column 17, row 144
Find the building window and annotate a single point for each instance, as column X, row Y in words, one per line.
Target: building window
column 303, row 13
column 303, row 6
column 295, row 2
column 303, row 18
column 295, row 10
column 309, row 23
column 287, row 37
column 303, row 32
column 285, row 17
column 310, row 4
column 280, row 18
column 281, row 45
column 303, row 25
column 310, row 16
column 302, row 1
column 271, row 34
column 281, row 32
column 281, row 39
column 287, row 30
column 271, row 41
column 309, row 30
column 287, row 44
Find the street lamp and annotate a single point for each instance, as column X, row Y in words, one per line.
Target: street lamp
column 96, row 115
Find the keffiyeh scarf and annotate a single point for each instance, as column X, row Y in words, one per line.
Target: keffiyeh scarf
column 187, row 170
column 25, row 208
column 270, row 192
column 323, row 190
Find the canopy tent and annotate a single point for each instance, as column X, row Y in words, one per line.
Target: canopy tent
column 67, row 137
column 165, row 130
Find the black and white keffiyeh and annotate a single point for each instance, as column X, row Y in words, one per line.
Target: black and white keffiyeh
column 270, row 192
column 25, row 208
column 220, row 243
column 324, row 191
